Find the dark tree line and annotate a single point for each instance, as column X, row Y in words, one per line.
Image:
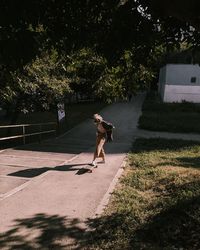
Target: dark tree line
column 51, row 48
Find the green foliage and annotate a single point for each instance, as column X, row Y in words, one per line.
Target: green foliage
column 128, row 75
column 39, row 85
column 104, row 49
column 137, row 73
column 110, row 84
column 83, row 68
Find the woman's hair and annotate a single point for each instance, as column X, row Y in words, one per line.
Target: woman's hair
column 97, row 117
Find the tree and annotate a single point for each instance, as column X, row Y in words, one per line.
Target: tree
column 39, row 85
column 129, row 75
column 101, row 44
column 186, row 11
column 83, row 68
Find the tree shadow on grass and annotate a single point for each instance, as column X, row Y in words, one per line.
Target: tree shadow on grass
column 193, row 162
column 161, row 144
column 186, row 162
column 172, row 229
column 177, row 226
column 43, row 231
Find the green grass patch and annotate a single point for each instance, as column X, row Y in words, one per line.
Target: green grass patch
column 157, row 202
column 172, row 117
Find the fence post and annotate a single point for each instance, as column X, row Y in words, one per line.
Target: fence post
column 24, row 132
column 40, row 135
column 56, row 128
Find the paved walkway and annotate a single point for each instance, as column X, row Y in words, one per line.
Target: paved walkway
column 46, row 196
column 44, row 187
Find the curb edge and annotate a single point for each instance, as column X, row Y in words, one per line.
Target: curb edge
column 106, row 198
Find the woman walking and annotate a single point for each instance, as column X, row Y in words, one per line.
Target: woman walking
column 103, row 134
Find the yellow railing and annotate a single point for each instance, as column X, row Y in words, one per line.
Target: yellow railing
column 24, row 135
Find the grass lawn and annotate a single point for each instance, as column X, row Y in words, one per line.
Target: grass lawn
column 172, row 117
column 157, row 202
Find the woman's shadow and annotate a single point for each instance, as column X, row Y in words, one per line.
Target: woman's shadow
column 81, row 168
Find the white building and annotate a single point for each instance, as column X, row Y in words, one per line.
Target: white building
column 180, row 82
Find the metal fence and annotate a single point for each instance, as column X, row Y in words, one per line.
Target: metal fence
column 41, row 131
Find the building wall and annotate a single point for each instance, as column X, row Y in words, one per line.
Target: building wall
column 177, row 93
column 162, row 80
column 180, row 82
column 181, row 74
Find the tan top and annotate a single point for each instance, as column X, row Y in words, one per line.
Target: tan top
column 101, row 129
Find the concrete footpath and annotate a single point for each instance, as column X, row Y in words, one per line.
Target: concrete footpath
column 45, row 192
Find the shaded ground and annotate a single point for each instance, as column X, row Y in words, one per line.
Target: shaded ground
column 157, row 203
column 51, row 199
column 56, row 193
